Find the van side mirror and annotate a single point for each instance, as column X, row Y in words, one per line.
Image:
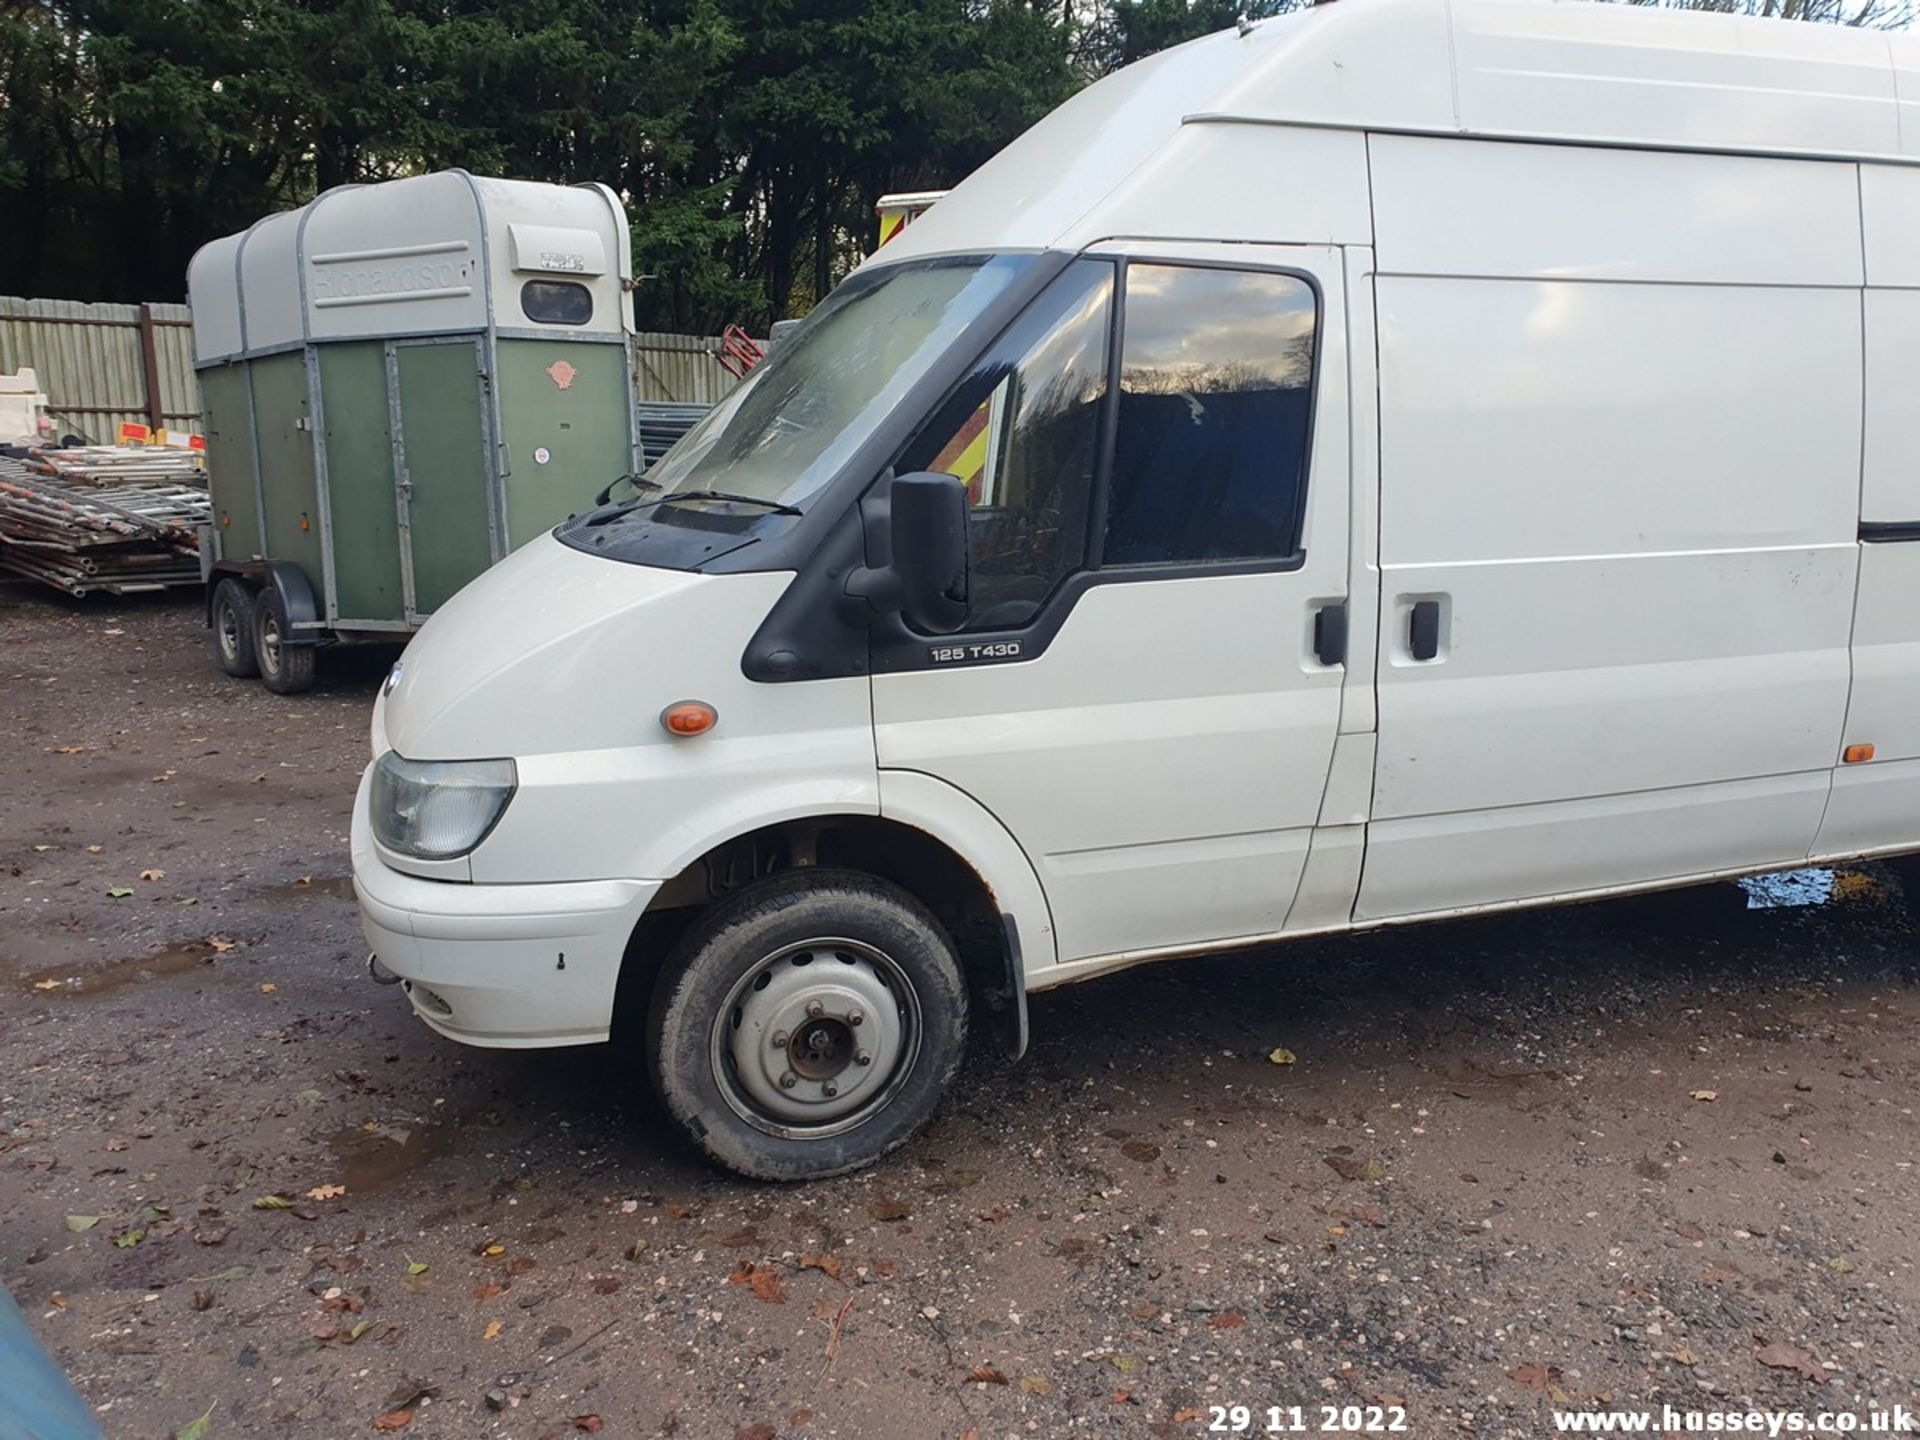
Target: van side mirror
column 917, row 551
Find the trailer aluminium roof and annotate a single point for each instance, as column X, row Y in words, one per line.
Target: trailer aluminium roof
column 429, row 254
column 1561, row 71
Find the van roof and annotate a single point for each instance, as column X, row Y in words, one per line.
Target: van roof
column 1566, row 71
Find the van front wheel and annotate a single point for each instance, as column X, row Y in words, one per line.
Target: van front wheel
column 807, row 1025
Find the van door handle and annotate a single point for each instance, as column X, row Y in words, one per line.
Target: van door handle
column 1423, row 630
column 1330, row 633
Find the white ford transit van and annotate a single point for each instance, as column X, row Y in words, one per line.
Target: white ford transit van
column 1402, row 459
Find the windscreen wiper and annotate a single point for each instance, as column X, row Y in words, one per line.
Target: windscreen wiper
column 775, row 507
column 636, row 481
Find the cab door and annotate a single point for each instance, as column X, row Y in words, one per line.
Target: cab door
column 1148, row 684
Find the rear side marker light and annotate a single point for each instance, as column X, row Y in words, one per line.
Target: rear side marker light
column 687, row 718
column 1857, row 754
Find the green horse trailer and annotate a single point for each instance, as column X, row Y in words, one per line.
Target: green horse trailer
column 402, row 382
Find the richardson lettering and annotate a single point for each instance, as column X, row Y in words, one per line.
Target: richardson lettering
column 339, row 282
column 562, row 260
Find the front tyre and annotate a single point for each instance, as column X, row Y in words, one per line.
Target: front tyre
column 807, row 1025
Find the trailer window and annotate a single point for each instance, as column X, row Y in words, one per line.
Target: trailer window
column 556, row 302
column 1210, row 450
column 1022, row 432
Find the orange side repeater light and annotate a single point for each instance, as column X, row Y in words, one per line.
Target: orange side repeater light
column 689, row 717
column 1857, row 754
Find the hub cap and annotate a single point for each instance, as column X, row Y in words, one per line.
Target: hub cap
column 816, row 1038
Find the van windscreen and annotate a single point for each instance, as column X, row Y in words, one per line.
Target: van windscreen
column 789, row 427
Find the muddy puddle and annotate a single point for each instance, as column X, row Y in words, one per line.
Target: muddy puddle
column 337, row 887
column 374, row 1159
column 176, row 959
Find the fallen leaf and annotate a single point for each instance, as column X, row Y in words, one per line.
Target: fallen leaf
column 1120, row 1397
column 762, row 1279
column 221, row 944
column 95, row 849
column 197, row 1429
column 761, row 1431
column 1839, row 1264
column 828, row 1265
column 1535, row 1376
column 987, row 1375
column 394, row 1420
column 589, row 1423
column 1185, row 1416
column 1141, row 1151
column 46, row 984
column 493, row 1249
column 164, row 776
column 416, row 1267
column 304, row 880
column 492, row 1332
column 1706, row 1095
column 360, row 1328
column 1125, row 1364
column 1348, row 1168
column 326, row 1192
column 1778, row 1355
column 80, row 1224
column 1282, row 1056
column 742, row 1239
column 636, row 1250
column 1037, row 1385
column 887, row 1211
column 69, row 749
column 487, row 1292
column 127, row 1239
column 153, row 874
column 268, row 988
column 1227, row 1320
column 118, row 892
column 203, row 1299
column 1684, row 1356
column 43, row 849
column 272, row 1202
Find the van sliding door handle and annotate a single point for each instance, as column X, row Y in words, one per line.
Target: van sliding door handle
column 1423, row 630
column 1330, row 633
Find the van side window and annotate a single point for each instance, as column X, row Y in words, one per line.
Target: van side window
column 1210, row 453
column 1022, row 431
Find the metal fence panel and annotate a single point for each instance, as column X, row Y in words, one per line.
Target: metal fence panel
column 680, row 369
column 92, row 362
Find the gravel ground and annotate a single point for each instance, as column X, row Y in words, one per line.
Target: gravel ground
column 1657, row 1150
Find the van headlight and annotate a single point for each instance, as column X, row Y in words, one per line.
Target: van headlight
column 437, row 809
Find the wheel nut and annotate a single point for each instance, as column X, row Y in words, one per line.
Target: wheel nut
column 815, row 1009
column 864, row 1057
column 830, row 1089
column 855, row 1017
column 779, row 1039
column 789, row 1080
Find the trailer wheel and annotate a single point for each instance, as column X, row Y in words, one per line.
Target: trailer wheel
column 285, row 669
column 807, row 1025
column 232, row 615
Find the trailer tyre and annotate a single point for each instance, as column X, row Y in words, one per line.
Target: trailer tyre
column 807, row 1025
column 232, row 615
column 285, row 669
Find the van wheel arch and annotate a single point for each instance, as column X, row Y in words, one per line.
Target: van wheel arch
column 925, row 867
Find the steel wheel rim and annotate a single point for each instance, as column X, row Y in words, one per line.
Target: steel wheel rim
column 270, row 643
column 814, row 1083
column 229, row 632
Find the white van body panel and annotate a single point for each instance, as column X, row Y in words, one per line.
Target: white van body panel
column 1642, row 539
column 563, row 662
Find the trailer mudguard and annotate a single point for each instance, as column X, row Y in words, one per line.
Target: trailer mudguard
column 305, row 624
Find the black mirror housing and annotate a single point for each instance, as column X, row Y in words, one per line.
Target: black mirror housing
column 917, row 551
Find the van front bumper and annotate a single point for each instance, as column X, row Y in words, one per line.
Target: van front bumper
column 509, row 966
